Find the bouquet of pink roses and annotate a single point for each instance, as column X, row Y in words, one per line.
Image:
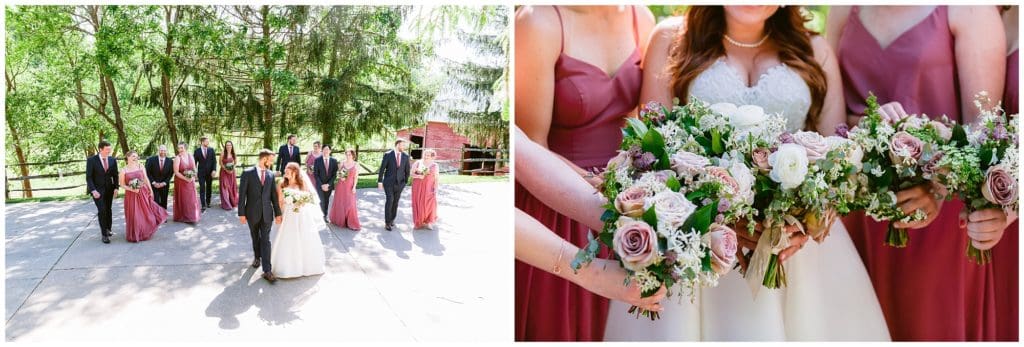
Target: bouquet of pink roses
column 980, row 165
column 669, row 210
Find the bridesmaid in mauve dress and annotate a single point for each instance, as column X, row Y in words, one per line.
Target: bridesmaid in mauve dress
column 424, row 191
column 311, row 159
column 344, row 210
column 929, row 290
column 186, row 201
column 141, row 213
column 576, row 109
column 1005, row 255
column 228, row 181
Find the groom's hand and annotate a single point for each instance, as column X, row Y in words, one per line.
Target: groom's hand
column 277, row 220
column 242, row 218
column 380, row 185
column 324, row 187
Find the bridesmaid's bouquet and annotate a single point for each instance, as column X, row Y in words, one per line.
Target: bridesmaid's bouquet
column 135, row 183
column 896, row 157
column 670, row 207
column 230, row 166
column 980, row 165
column 189, row 174
column 297, row 198
column 342, row 174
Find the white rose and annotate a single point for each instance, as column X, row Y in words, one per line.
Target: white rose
column 672, row 209
column 789, row 165
column 747, row 117
column 723, row 108
column 745, row 181
column 813, row 142
column 687, row 164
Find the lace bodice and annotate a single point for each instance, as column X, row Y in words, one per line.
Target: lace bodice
column 778, row 90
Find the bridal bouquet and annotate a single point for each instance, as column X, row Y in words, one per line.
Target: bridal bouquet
column 189, row 174
column 896, row 157
column 669, row 211
column 297, row 198
column 980, row 165
column 135, row 183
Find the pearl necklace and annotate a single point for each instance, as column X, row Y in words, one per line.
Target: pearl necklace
column 746, row 45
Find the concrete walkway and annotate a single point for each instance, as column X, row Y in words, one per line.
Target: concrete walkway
column 194, row 283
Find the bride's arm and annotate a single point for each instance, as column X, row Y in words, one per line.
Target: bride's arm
column 833, row 110
column 541, row 248
column 555, row 184
column 657, row 82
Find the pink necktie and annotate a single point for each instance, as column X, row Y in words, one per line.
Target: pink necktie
column 104, row 160
column 263, row 176
column 398, row 159
column 161, row 164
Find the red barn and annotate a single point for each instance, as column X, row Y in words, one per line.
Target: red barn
column 448, row 144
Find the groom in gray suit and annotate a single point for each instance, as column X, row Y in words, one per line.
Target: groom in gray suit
column 258, row 207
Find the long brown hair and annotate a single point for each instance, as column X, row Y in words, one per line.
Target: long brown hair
column 293, row 166
column 224, row 153
column 699, row 45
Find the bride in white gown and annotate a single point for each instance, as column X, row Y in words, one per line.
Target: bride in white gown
column 297, row 249
column 829, row 296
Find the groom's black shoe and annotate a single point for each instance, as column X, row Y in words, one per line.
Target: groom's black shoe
column 256, row 262
column 387, row 227
column 106, row 239
column 269, row 276
column 108, row 233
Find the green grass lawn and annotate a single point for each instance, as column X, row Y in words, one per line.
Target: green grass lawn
column 63, row 195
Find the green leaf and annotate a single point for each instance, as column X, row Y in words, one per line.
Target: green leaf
column 704, row 216
column 650, row 217
column 609, row 215
column 696, row 195
column 705, row 262
column 654, row 143
column 716, row 142
column 959, row 137
column 985, row 157
column 673, row 184
column 637, row 126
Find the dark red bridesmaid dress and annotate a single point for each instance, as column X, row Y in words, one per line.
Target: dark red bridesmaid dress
column 589, row 111
column 142, row 216
column 228, row 186
column 186, row 201
column 929, row 291
column 1005, row 255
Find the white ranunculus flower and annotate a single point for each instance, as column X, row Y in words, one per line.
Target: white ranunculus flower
column 745, row 181
column 672, row 209
column 789, row 165
column 748, row 117
column 855, row 153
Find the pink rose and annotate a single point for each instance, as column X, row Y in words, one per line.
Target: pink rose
column 760, row 158
column 724, row 176
column 932, row 168
column 1000, row 188
column 635, row 243
column 631, row 202
column 688, row 164
column 905, row 148
column 814, row 143
column 723, row 248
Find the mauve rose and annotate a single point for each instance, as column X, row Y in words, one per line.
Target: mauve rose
column 905, row 148
column 644, row 161
column 624, row 158
column 942, row 130
column 630, row 202
column 814, row 143
column 1000, row 188
column 723, row 248
column 842, row 130
column 687, row 164
column 760, row 158
column 635, row 243
column 724, row 176
column 786, row 138
column 932, row 166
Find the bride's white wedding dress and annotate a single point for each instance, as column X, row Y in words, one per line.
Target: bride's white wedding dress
column 829, row 296
column 297, row 249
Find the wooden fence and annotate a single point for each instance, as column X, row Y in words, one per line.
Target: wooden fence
column 498, row 157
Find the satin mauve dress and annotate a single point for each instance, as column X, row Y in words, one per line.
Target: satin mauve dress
column 186, row 201
column 142, row 216
column 1006, row 253
column 310, row 161
column 344, row 210
column 589, row 111
column 929, row 291
column 424, row 198
column 228, row 186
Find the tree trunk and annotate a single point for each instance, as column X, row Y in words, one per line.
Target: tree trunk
column 122, row 138
column 165, row 78
column 26, row 185
column 268, row 94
